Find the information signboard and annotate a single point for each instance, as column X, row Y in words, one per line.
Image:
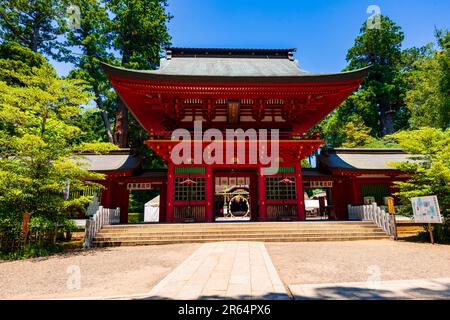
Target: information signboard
column 426, row 209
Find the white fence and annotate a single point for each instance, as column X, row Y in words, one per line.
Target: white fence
column 93, row 206
column 101, row 218
column 374, row 213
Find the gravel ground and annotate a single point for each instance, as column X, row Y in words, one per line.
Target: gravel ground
column 334, row 262
column 104, row 272
column 135, row 270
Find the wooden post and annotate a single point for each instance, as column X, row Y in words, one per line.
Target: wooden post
column 25, row 223
column 391, row 208
column 262, row 214
column 300, row 195
column 209, row 194
column 170, row 192
column 88, row 234
column 430, row 229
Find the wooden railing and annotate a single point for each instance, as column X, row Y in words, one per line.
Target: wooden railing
column 374, row 213
column 101, row 218
column 190, row 213
column 276, row 212
column 93, row 207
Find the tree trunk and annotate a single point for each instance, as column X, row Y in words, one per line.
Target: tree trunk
column 36, row 29
column 103, row 113
column 107, row 124
column 387, row 122
column 121, row 125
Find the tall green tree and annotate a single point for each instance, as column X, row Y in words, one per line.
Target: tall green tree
column 379, row 48
column 36, row 24
column 39, row 142
column 140, row 32
column 379, row 105
column 94, row 39
column 428, row 99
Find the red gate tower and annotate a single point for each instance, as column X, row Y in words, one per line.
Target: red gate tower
column 210, row 113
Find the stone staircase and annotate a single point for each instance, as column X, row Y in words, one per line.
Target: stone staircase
column 154, row 234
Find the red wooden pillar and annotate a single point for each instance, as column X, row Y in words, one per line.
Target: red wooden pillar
column 262, row 214
column 300, row 194
column 163, row 203
column 121, row 199
column 356, row 192
column 209, row 194
column 170, row 192
column 106, row 193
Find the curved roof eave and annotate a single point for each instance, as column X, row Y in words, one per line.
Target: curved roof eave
column 113, row 71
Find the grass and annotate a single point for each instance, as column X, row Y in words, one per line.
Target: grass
column 135, row 217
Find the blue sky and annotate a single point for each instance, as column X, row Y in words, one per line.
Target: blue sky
column 321, row 30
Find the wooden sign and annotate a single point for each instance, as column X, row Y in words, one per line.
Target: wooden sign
column 391, row 208
column 320, row 184
column 25, row 222
column 139, row 186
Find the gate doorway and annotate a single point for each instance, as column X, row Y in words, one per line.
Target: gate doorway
column 319, row 201
column 140, row 202
column 235, row 197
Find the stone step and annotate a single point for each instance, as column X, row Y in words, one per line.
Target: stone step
column 299, row 231
column 225, row 232
column 241, row 227
column 188, row 240
column 237, row 236
column 239, row 224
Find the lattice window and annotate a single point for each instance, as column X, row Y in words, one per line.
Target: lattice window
column 190, row 191
column 193, row 101
column 277, row 188
column 275, row 102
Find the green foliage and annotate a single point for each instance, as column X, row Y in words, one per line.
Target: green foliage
column 17, row 61
column 383, row 143
column 430, row 170
column 135, row 217
column 306, row 164
column 140, row 31
column 379, row 99
column 356, row 135
column 39, row 144
column 404, row 89
column 429, row 98
column 36, row 25
column 94, row 38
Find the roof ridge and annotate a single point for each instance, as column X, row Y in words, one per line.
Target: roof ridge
column 177, row 52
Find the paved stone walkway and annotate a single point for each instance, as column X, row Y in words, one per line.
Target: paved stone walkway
column 223, row 270
column 396, row 289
